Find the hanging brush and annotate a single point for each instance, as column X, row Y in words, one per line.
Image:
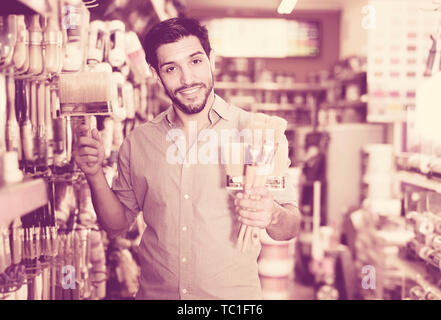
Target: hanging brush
column 85, row 94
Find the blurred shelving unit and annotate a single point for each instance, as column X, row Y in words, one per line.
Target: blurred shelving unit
column 267, row 97
column 386, row 119
column 261, row 86
column 346, row 96
column 341, row 104
column 20, row 198
column 418, row 180
column 417, row 272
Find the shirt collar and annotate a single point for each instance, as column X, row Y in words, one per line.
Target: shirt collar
column 220, row 107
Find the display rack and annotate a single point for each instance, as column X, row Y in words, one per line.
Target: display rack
column 341, row 104
column 418, row 180
column 299, row 87
column 20, row 198
column 305, row 113
column 418, row 271
column 415, row 270
column 261, row 106
column 387, row 118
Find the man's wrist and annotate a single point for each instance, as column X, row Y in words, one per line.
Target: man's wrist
column 96, row 178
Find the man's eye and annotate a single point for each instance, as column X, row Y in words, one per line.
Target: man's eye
column 170, row 69
column 196, row 61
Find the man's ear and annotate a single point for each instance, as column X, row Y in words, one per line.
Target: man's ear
column 154, row 74
column 212, row 58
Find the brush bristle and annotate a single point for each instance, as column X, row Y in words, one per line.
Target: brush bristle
column 85, row 87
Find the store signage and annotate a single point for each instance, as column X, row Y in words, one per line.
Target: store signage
column 252, row 37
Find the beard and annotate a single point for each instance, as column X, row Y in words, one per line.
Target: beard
column 195, row 107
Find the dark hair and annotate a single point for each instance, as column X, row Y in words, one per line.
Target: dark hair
column 172, row 30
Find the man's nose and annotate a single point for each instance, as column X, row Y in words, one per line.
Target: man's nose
column 186, row 76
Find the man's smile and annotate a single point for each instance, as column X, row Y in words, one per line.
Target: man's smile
column 190, row 91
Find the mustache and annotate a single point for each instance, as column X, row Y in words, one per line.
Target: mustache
column 190, row 87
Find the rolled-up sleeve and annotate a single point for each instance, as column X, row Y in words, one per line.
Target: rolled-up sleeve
column 122, row 184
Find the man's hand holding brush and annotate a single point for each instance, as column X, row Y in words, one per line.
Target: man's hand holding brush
column 256, row 207
column 89, row 156
column 89, row 151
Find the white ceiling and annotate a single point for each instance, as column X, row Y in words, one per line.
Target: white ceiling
column 265, row 4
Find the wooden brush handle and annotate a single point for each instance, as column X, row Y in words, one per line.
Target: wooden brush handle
column 21, row 50
column 13, row 130
column 36, row 48
column 256, row 175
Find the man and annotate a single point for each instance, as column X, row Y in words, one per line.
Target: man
column 188, row 250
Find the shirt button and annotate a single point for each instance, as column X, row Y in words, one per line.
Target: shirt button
column 184, row 228
column 184, row 259
column 186, row 197
column 184, row 291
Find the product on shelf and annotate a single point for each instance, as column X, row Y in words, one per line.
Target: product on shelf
column 75, row 28
column 50, row 65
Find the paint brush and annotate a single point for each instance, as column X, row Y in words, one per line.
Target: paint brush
column 268, row 159
column 21, row 49
column 24, row 122
column 8, row 36
column 35, row 45
column 12, row 128
column 85, row 93
column 52, row 42
column 3, row 110
column 41, row 127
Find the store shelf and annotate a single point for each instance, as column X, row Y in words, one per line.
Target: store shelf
column 273, row 106
column 416, row 270
column 418, row 180
column 351, row 77
column 20, row 198
column 389, row 118
column 343, row 104
column 261, row 86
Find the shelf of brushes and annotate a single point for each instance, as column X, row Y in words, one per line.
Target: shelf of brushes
column 18, row 199
column 418, row 180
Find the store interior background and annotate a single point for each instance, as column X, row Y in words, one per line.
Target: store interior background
column 364, row 156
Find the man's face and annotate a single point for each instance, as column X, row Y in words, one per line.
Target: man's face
column 186, row 73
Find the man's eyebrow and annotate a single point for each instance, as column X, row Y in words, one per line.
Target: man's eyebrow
column 171, row 62
column 196, row 53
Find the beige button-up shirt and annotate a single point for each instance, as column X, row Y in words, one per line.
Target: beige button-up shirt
column 188, row 250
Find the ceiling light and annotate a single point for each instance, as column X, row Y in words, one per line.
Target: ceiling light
column 286, row 6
